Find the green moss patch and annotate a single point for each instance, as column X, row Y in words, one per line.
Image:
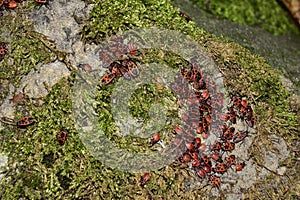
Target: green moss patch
column 41, row 168
column 266, row 14
column 24, row 53
column 108, row 18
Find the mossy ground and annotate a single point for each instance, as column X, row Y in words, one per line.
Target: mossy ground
column 24, row 53
column 41, row 168
column 266, row 14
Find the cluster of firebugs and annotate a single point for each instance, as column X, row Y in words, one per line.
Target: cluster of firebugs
column 215, row 163
column 206, row 165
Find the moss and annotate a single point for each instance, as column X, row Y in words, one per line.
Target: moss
column 24, row 53
column 108, row 18
column 48, row 168
column 41, row 168
column 266, row 14
column 257, row 81
column 139, row 105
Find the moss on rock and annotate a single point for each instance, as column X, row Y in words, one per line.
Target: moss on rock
column 41, row 168
column 267, row 14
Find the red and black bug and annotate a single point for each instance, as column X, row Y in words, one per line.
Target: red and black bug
column 220, row 168
column 144, row 179
column 244, row 103
column 21, row 123
column 133, row 68
column 200, row 85
column 25, row 121
column 240, row 166
column 195, row 163
column 215, row 181
column 108, row 78
column 240, row 136
column 190, row 147
column 207, row 169
column 62, row 137
column 185, row 158
column 236, row 101
column 179, row 130
column 197, row 76
column 217, row 157
column 155, row 138
column 228, row 134
column 232, row 115
column 230, row 160
column 197, row 143
column 206, row 124
column 114, row 68
column 201, row 173
column 10, row 4
column 228, row 146
column 127, row 68
column 205, row 161
column 216, row 146
column 250, row 119
column 205, row 94
column 187, row 75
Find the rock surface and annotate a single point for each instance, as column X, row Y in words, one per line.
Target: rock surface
column 61, row 22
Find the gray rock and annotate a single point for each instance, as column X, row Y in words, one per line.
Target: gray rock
column 34, row 83
column 57, row 22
